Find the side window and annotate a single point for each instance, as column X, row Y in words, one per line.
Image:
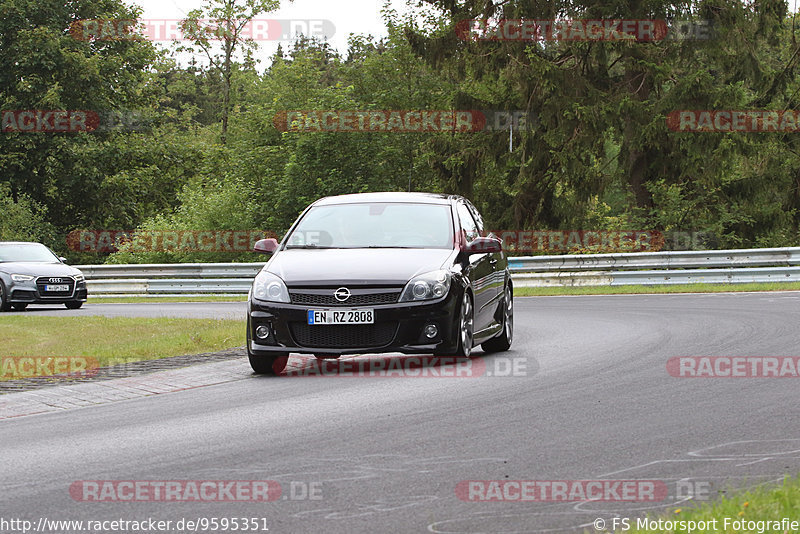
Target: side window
column 476, row 216
column 467, row 222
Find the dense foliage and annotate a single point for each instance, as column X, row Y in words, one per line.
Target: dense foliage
column 600, row 154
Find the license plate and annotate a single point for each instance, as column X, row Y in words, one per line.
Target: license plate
column 56, row 288
column 359, row 316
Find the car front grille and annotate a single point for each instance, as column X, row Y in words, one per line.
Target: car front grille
column 358, row 297
column 342, row 336
column 43, row 281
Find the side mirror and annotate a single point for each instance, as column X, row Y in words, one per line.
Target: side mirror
column 266, row 246
column 482, row 245
column 62, row 259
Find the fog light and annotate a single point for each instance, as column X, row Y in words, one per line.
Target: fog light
column 262, row 332
column 430, row 331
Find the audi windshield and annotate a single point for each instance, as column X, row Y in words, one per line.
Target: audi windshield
column 24, row 252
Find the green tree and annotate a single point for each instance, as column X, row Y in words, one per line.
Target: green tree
column 23, row 220
column 228, row 18
column 601, row 138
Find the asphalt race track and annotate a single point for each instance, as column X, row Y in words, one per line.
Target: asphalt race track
column 193, row 310
column 591, row 400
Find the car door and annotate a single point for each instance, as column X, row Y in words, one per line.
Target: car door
column 497, row 260
column 481, row 270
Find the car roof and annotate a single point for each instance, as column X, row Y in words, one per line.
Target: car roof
column 418, row 198
column 20, row 243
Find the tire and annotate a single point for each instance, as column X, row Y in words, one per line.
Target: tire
column 466, row 327
column 503, row 341
column 20, row 307
column 73, row 305
column 272, row 364
column 268, row 365
column 4, row 304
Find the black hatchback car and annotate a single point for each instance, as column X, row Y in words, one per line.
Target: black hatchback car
column 30, row 273
column 380, row 272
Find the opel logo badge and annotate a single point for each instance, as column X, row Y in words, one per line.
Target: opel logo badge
column 342, row 294
column 55, row 280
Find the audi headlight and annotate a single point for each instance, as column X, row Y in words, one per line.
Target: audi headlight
column 78, row 277
column 21, row 277
column 428, row 286
column 270, row 288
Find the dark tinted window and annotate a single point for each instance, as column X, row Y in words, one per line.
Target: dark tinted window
column 467, row 222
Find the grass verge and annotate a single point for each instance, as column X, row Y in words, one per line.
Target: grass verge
column 756, row 510
column 111, row 340
column 636, row 290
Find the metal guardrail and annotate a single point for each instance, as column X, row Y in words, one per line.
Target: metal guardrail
column 172, row 270
column 654, row 277
column 637, row 268
column 659, row 268
column 183, row 279
column 683, row 259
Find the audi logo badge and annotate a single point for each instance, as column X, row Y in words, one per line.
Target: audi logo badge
column 55, row 280
column 342, row 294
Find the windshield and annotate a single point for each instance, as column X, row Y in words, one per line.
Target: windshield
column 26, row 252
column 375, row 225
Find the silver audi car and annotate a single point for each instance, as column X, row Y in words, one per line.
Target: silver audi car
column 30, row 273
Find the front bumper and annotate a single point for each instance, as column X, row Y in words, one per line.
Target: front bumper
column 398, row 327
column 31, row 293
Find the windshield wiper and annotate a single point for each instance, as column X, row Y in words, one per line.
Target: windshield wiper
column 310, row 245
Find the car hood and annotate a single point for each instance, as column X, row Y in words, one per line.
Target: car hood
column 38, row 268
column 378, row 266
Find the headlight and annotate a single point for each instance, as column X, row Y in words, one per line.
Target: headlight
column 78, row 277
column 428, row 286
column 21, row 277
column 270, row 288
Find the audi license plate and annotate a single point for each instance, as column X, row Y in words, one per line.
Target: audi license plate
column 54, row 288
column 359, row 316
